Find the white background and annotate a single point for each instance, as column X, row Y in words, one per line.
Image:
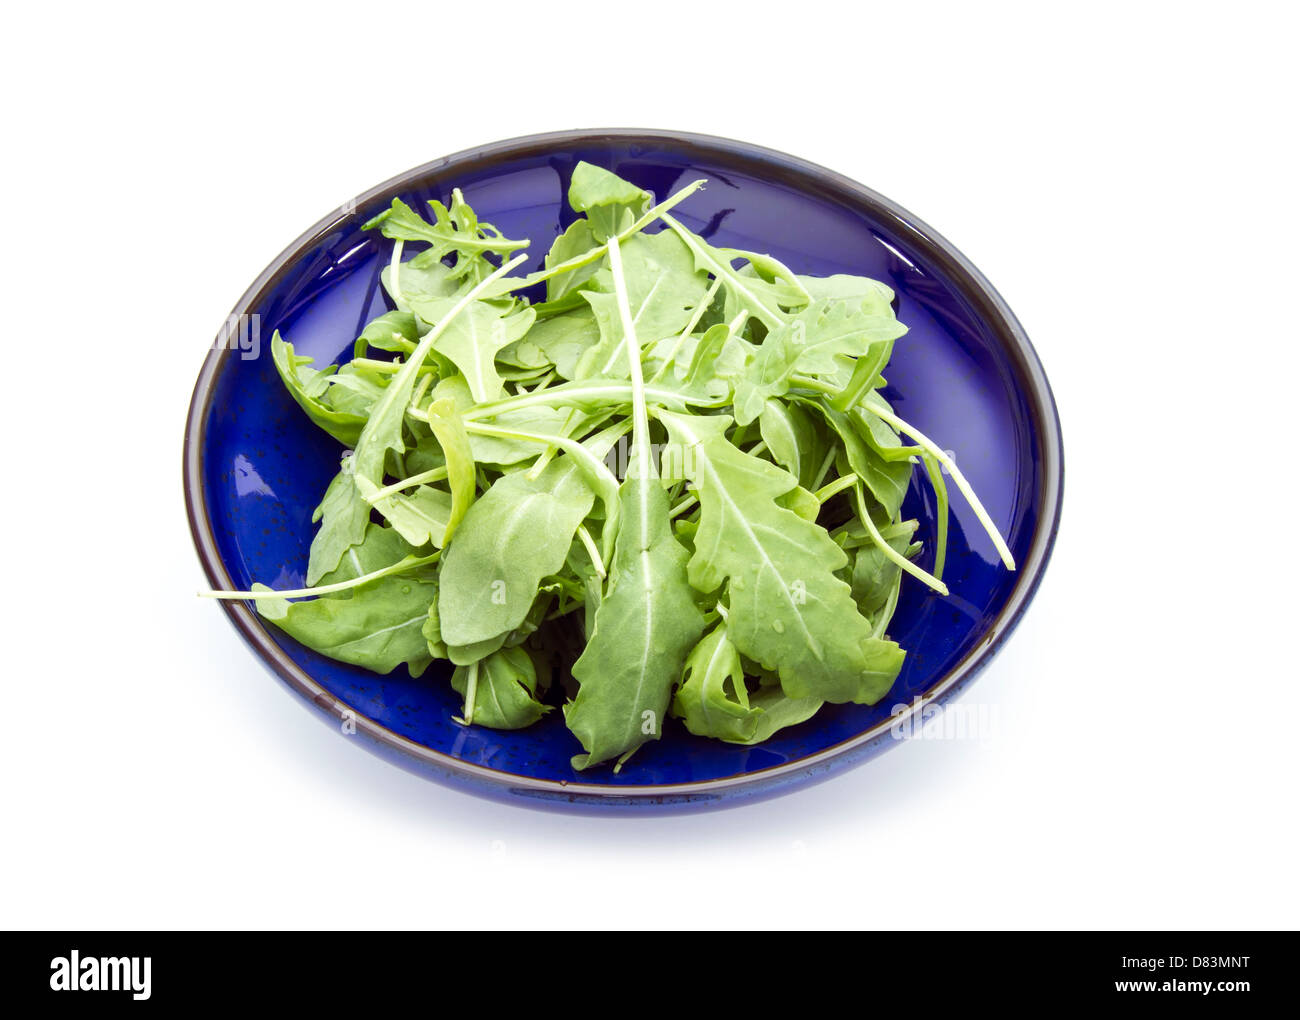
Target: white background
column 1125, row 175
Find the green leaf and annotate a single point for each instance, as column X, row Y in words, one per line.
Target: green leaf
column 663, row 289
column 887, row 480
column 611, row 203
column 515, row 534
column 455, row 230
column 378, row 624
column 565, row 338
column 874, row 575
column 761, row 296
column 432, row 632
column 813, row 342
column 472, row 339
column 505, row 690
column 384, row 433
column 791, row 437
column 343, row 517
column 646, row 624
column 789, row 612
column 577, row 240
column 713, row 701
column 844, row 286
column 310, row 389
column 420, row 516
column 392, row 331
column 449, row 430
column 540, row 420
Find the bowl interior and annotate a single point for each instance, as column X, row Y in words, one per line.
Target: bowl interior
column 265, row 466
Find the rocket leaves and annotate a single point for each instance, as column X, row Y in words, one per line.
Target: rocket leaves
column 787, row 609
column 648, row 619
column 810, row 342
column 311, row 389
column 378, row 624
column 610, row 203
column 668, row 494
column 515, row 534
column 455, row 231
column 714, row 701
column 500, row 690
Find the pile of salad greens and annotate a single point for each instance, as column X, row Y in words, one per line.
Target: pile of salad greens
column 667, row 486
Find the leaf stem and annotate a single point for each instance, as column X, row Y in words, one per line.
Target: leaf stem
column 578, row 261
column 890, row 552
column 400, row 567
column 965, row 486
column 589, row 544
column 574, row 394
column 835, row 487
column 387, row 367
column 640, row 416
column 827, row 461
column 704, row 305
column 471, row 689
column 569, row 446
column 394, row 272
column 682, row 507
column 432, row 475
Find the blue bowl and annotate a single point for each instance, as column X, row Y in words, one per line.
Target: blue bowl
column 965, row 374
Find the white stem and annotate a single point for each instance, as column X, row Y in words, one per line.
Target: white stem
column 640, row 418
column 890, row 552
column 569, row 446
column 395, row 272
column 965, row 486
column 401, row 566
column 589, row 544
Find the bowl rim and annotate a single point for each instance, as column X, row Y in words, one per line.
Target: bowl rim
column 987, row 303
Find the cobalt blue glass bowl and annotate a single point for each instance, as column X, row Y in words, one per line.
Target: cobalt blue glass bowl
column 965, row 374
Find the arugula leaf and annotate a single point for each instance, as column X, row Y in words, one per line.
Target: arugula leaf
column 420, row 516
column 343, row 516
column 811, row 342
column 789, row 612
column 710, row 708
column 663, row 291
column 378, row 624
column 565, row 338
column 383, row 431
column 791, row 437
column 472, row 339
column 515, row 534
column 887, row 479
column 500, row 690
column 577, row 240
column 309, row 389
column 450, row 432
column 392, row 331
column 611, row 203
column 764, row 297
column 648, row 619
column 875, row 576
column 455, row 231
